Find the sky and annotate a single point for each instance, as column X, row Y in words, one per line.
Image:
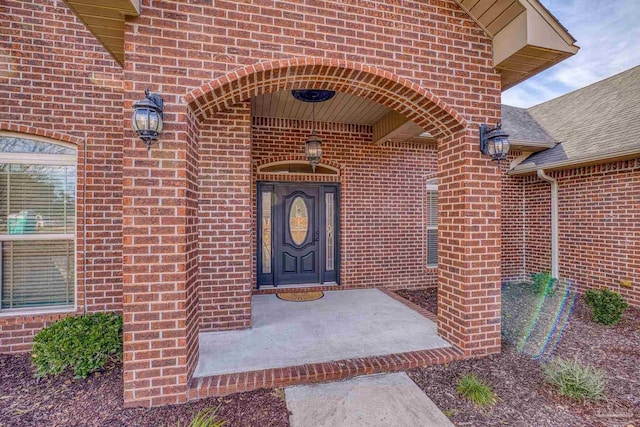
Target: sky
column 608, row 33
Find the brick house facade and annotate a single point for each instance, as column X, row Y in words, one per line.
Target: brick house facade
column 169, row 237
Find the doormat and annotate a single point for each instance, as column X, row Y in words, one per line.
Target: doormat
column 300, row 296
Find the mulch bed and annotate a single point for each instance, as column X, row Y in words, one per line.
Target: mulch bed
column 425, row 298
column 97, row 401
column 524, row 399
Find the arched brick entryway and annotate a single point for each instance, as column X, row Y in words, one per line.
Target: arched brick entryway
column 377, row 85
column 469, row 248
column 217, row 128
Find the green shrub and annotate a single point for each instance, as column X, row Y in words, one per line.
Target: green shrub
column 83, row 343
column 574, row 380
column 543, row 283
column 608, row 306
column 476, row 390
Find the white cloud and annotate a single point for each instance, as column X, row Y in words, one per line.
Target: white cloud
column 608, row 33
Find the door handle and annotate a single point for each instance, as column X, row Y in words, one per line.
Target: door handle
column 317, row 239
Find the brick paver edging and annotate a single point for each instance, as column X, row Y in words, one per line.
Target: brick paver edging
column 221, row 385
column 415, row 307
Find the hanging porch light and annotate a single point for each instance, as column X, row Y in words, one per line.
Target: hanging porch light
column 313, row 150
column 313, row 146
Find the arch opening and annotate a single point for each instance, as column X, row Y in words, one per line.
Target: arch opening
column 385, row 88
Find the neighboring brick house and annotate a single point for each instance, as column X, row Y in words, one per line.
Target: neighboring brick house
column 588, row 142
column 178, row 238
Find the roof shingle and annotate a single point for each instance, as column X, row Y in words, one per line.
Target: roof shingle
column 600, row 119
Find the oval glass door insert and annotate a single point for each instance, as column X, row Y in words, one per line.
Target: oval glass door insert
column 298, row 221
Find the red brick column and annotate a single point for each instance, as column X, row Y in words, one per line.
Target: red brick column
column 225, row 245
column 160, row 262
column 469, row 251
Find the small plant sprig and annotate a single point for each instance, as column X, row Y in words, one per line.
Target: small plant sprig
column 544, row 283
column 476, row 390
column 206, row 418
column 575, row 380
column 608, row 306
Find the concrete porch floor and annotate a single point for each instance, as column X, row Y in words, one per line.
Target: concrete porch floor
column 344, row 324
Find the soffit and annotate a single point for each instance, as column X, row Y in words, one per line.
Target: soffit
column 387, row 125
column 342, row 108
column 527, row 38
column 106, row 21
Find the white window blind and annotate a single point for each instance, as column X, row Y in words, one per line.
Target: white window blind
column 431, row 222
column 37, row 224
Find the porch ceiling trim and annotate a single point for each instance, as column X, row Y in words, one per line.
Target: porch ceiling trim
column 106, row 21
column 527, row 38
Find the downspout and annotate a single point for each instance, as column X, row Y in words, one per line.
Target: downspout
column 84, row 225
column 554, row 221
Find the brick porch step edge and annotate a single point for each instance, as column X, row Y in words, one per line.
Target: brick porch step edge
column 221, row 385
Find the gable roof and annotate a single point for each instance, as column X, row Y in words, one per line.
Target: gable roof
column 524, row 131
column 600, row 121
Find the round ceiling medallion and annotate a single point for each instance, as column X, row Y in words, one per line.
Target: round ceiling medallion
column 312, row 95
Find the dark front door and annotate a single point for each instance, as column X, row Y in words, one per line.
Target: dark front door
column 297, row 233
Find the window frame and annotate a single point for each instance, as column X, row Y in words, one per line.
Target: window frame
column 430, row 186
column 51, row 160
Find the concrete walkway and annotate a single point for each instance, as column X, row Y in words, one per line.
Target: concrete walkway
column 342, row 325
column 379, row 400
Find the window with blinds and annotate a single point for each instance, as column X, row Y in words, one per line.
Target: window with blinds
column 431, row 222
column 37, row 224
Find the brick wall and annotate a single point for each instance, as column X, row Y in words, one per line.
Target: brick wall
column 537, row 231
column 225, row 249
column 513, row 215
column 469, row 236
column 382, row 193
column 599, row 225
column 56, row 81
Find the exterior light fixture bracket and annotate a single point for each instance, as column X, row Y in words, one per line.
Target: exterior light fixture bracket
column 147, row 119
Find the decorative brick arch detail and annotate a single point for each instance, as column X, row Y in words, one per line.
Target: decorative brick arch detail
column 374, row 84
column 297, row 177
column 296, row 158
column 45, row 133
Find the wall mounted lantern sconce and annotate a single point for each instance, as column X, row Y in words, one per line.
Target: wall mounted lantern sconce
column 313, row 146
column 494, row 142
column 147, row 117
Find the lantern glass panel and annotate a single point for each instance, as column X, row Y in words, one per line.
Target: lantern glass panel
column 502, row 145
column 153, row 120
column 491, row 147
column 141, row 120
column 314, row 149
column 505, row 146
